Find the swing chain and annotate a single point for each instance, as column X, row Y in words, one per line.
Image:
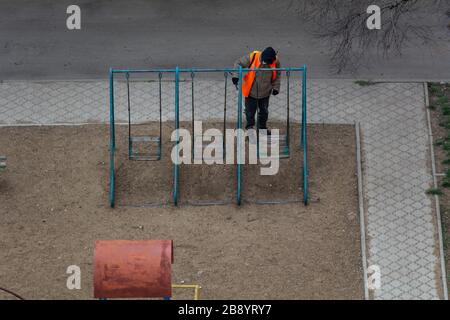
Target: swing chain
column 288, row 76
column 160, row 75
column 224, row 115
column 192, row 115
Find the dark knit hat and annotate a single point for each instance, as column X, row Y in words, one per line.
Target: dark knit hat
column 268, row 55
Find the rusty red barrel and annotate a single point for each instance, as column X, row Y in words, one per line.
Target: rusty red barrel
column 133, row 268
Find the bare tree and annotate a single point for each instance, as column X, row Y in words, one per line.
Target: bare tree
column 344, row 24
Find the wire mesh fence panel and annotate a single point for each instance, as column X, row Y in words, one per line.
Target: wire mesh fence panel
column 144, row 98
column 87, row 102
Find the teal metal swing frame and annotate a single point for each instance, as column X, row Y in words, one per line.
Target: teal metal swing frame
column 176, row 167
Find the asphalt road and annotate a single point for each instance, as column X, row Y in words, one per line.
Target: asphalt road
column 35, row 43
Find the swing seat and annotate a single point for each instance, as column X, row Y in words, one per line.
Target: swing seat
column 281, row 142
column 2, row 163
column 151, row 143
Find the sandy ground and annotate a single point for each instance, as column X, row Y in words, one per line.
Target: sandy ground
column 54, row 204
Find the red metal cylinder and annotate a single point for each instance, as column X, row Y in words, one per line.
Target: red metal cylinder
column 133, row 268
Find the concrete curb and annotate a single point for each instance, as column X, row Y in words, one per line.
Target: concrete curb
column 361, row 209
column 436, row 197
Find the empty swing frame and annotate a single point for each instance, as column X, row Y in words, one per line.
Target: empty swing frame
column 176, row 165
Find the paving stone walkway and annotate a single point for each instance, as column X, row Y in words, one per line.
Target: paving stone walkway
column 400, row 227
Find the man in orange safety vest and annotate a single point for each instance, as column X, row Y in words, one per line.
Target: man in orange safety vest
column 257, row 86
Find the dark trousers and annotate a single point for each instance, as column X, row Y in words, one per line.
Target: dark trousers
column 262, row 106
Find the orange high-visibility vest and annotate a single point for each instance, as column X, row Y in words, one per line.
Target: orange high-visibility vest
column 251, row 75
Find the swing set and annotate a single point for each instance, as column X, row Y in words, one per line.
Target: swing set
column 155, row 141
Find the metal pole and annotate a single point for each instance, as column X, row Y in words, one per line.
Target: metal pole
column 224, row 117
column 193, row 116
column 196, row 70
column 239, row 139
column 288, row 135
column 160, row 113
column 304, row 140
column 177, row 126
column 112, row 142
column 127, row 76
